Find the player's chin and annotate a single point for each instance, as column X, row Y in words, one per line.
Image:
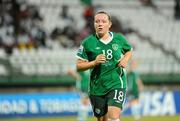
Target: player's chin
column 100, row 33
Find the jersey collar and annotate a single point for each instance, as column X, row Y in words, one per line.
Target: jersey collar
column 109, row 40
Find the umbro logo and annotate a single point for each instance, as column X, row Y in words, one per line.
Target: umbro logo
column 97, row 48
column 98, row 111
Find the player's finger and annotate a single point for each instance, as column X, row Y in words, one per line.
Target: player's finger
column 121, row 64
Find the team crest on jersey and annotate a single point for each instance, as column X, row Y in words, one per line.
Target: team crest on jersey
column 97, row 111
column 115, row 46
column 80, row 50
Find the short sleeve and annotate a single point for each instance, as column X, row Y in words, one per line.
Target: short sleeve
column 125, row 45
column 81, row 53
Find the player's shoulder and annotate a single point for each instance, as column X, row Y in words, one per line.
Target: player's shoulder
column 119, row 36
column 89, row 39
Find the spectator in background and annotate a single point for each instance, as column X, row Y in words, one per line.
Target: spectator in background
column 88, row 28
column 65, row 19
column 38, row 34
column 19, row 25
column 177, row 10
column 34, row 11
column 65, row 31
column 134, row 87
column 7, row 26
column 23, row 40
column 120, row 27
column 82, row 34
column 88, row 16
column 7, row 38
column 102, row 53
column 7, row 33
column 148, row 3
column 82, row 83
column 116, row 25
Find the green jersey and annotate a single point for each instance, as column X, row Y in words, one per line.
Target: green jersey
column 132, row 86
column 106, row 76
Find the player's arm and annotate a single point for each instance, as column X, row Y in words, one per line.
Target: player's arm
column 74, row 74
column 124, row 61
column 140, row 85
column 83, row 65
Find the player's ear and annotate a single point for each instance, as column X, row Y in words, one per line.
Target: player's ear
column 110, row 24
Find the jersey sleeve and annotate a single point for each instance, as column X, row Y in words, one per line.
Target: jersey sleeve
column 125, row 45
column 81, row 53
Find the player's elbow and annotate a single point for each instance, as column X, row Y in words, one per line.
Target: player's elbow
column 79, row 67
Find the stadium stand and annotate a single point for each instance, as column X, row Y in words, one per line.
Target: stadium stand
column 155, row 37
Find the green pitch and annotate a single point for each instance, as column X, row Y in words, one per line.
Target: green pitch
column 125, row 118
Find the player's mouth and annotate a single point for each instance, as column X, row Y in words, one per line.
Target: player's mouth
column 100, row 29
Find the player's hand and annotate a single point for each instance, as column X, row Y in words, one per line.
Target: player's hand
column 100, row 59
column 123, row 63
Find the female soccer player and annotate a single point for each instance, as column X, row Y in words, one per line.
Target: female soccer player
column 106, row 54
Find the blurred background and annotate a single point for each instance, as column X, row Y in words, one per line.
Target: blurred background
column 39, row 40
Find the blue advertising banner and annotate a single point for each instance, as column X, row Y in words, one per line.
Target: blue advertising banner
column 38, row 104
column 67, row 103
column 158, row 103
column 177, row 101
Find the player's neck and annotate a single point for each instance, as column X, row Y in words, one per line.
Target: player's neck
column 104, row 37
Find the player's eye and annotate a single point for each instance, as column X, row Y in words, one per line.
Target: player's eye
column 104, row 21
column 97, row 21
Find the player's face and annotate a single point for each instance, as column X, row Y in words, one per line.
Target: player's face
column 101, row 24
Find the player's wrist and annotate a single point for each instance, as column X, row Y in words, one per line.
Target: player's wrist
column 94, row 63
